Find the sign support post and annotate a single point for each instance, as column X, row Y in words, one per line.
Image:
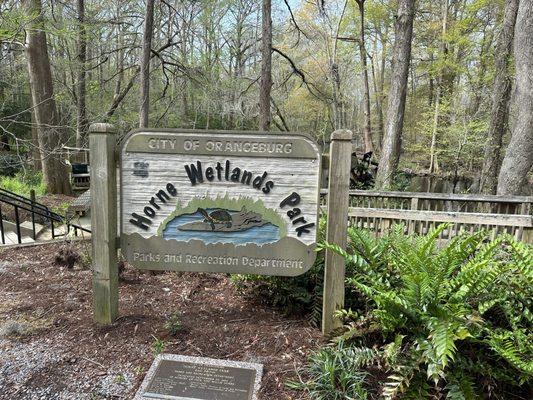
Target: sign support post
column 102, row 144
column 337, row 224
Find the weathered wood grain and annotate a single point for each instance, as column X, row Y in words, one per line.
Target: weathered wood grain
column 443, row 216
column 102, row 143
column 441, row 196
column 339, row 179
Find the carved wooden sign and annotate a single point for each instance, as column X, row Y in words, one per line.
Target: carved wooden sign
column 218, row 201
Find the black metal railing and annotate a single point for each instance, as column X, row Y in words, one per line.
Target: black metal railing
column 18, row 202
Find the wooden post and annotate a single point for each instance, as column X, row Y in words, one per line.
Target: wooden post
column 338, row 196
column 102, row 144
column 411, row 224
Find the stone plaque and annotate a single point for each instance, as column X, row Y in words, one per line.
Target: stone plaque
column 177, row 377
column 218, row 201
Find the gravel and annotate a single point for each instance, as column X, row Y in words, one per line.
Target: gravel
column 23, row 365
column 12, row 328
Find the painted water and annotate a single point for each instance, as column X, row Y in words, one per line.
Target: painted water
column 267, row 233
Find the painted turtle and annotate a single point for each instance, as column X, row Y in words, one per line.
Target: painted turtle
column 217, row 217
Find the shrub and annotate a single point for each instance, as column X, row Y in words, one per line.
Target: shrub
column 335, row 373
column 293, row 295
column 173, row 324
column 158, row 346
column 449, row 322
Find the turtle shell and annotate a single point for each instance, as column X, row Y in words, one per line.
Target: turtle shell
column 221, row 215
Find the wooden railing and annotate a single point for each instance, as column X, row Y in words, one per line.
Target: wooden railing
column 420, row 212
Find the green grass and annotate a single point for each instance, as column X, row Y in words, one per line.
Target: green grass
column 23, row 183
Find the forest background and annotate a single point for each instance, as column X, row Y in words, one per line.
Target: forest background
column 440, row 86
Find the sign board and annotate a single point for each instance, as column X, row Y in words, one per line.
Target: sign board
column 195, row 378
column 219, row 201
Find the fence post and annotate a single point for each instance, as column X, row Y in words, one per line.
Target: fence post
column 102, row 144
column 337, row 224
column 411, row 224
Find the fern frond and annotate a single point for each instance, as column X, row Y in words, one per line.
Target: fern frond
column 506, row 347
column 461, row 389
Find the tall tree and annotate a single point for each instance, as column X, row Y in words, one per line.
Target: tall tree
column 145, row 63
column 265, row 116
column 55, row 174
column 433, row 163
column 519, row 155
column 367, row 128
column 401, row 57
column 501, row 93
column 82, row 122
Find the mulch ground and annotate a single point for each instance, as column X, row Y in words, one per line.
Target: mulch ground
column 63, row 354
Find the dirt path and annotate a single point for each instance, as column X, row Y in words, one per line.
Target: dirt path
column 50, row 348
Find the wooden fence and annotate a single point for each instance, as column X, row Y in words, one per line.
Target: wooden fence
column 420, row 212
column 416, row 212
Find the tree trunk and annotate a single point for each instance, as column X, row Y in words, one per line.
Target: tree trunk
column 265, row 117
column 367, row 129
column 184, row 60
column 35, row 150
column 55, row 174
column 519, row 156
column 82, row 122
column 145, row 64
column 501, row 93
column 377, row 98
column 401, row 57
column 433, row 163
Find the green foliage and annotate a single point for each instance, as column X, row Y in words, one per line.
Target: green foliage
column 158, row 346
column 61, row 208
column 456, row 318
column 173, row 324
column 335, row 373
column 22, row 183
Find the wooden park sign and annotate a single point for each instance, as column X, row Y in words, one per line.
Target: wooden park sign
column 215, row 201
column 219, row 201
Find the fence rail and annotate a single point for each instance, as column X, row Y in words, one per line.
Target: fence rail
column 420, row 212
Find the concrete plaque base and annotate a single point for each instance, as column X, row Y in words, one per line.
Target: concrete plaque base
column 175, row 377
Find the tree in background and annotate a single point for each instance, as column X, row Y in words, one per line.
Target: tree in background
column 55, row 173
column 206, row 64
column 82, row 123
column 265, row 117
column 518, row 158
column 145, row 64
column 401, row 57
column 501, row 94
column 367, row 126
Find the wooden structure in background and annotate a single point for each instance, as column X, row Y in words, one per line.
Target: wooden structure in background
column 78, row 160
column 420, row 212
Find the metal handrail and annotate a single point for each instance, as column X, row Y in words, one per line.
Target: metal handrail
column 22, row 199
column 34, row 210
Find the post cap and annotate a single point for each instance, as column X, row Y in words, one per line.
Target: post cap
column 101, row 127
column 342, row 134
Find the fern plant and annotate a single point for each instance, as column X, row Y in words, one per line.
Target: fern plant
column 336, row 373
column 463, row 309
